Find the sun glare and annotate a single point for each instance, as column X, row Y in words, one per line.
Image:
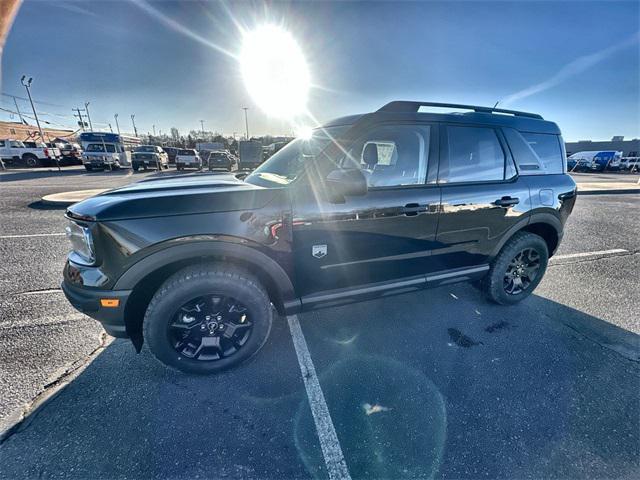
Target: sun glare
column 303, row 132
column 274, row 71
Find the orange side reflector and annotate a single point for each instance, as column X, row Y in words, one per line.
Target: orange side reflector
column 110, row 302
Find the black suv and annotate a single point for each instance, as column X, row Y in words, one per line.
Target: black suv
column 387, row 202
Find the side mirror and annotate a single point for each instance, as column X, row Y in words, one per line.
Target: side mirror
column 347, row 182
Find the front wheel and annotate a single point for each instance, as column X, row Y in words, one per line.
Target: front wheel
column 517, row 270
column 206, row 319
column 88, row 168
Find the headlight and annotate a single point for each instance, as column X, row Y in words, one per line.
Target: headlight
column 81, row 242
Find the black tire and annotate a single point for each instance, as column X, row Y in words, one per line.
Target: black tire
column 135, row 167
column 206, row 282
column 30, row 160
column 88, row 168
column 500, row 285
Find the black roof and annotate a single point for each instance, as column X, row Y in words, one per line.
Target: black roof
column 472, row 114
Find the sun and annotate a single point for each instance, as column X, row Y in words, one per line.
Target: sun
column 275, row 71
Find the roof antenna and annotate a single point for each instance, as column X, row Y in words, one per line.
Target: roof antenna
column 496, row 104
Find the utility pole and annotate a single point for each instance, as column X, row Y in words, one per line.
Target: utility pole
column 86, row 109
column 117, row 126
column 79, row 115
column 202, row 128
column 135, row 130
column 27, row 85
column 246, row 121
column 18, row 110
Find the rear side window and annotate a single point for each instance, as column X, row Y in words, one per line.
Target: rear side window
column 536, row 153
column 473, row 154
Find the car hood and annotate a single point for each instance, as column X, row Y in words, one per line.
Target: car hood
column 174, row 195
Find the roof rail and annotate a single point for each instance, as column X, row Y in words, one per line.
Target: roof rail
column 409, row 107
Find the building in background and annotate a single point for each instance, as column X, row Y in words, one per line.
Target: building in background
column 22, row 132
column 629, row 148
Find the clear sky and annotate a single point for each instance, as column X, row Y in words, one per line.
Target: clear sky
column 577, row 63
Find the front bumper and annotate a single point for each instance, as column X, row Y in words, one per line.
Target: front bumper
column 87, row 301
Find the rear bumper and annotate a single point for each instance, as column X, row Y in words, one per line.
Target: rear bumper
column 88, row 302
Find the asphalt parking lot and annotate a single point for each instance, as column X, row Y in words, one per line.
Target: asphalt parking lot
column 437, row 383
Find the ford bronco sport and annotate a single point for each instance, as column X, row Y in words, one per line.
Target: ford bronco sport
column 388, row 202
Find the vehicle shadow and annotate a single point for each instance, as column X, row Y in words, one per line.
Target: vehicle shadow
column 429, row 384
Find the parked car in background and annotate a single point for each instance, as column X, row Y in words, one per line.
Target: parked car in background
column 171, row 153
column 250, row 154
column 595, row 161
column 221, row 160
column 149, row 156
column 101, row 156
column 28, row 154
column 631, row 164
column 188, row 158
column 71, row 153
column 106, row 150
column 368, row 206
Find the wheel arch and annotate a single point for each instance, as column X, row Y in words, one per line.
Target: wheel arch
column 545, row 225
column 145, row 277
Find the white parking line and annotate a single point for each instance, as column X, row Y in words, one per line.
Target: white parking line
column 331, row 450
column 600, row 253
column 34, row 235
column 42, row 292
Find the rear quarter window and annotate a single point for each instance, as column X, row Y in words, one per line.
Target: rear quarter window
column 536, row 153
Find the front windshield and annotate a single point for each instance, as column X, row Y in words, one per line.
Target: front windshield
column 99, row 147
column 289, row 162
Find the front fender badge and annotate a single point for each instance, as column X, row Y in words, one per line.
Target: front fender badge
column 319, row 251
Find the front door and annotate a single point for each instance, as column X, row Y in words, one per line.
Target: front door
column 382, row 236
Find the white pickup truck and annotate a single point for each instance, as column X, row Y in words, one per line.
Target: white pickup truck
column 34, row 154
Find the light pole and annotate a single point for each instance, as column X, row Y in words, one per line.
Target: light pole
column 246, row 121
column 154, row 130
column 117, row 126
column 135, row 130
column 86, row 109
column 27, row 85
column 110, row 128
column 202, row 128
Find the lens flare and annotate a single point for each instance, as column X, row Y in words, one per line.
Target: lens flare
column 274, row 71
column 303, row 132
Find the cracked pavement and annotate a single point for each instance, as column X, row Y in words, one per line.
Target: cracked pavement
column 548, row 388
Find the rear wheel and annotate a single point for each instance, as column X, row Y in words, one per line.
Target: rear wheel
column 135, row 167
column 30, row 160
column 517, row 270
column 208, row 318
column 88, row 168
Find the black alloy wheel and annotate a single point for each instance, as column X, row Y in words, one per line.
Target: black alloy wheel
column 210, row 328
column 517, row 269
column 522, row 271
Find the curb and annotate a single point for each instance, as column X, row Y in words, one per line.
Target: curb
column 65, row 199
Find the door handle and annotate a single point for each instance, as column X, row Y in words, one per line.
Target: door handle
column 413, row 209
column 507, row 201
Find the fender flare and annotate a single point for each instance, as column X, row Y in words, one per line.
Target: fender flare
column 540, row 217
column 286, row 299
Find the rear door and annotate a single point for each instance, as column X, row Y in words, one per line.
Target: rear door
column 482, row 195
